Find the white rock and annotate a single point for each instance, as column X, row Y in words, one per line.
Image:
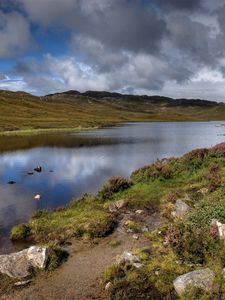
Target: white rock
column 108, row 286
column 37, row 197
column 135, row 236
column 18, row 265
column 139, row 212
column 220, row 228
column 37, row 256
column 22, row 283
column 200, row 278
column 132, row 259
column 181, row 208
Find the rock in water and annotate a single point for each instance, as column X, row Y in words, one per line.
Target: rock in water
column 37, row 197
column 200, row 278
column 38, row 169
column 19, row 264
column 181, row 208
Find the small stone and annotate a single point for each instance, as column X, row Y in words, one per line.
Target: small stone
column 132, row 259
column 22, row 283
column 128, row 222
column 135, row 236
column 108, row 286
column 139, row 212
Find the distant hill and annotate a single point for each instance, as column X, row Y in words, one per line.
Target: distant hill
column 70, row 109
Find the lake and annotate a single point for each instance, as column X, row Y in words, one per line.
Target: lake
column 73, row 164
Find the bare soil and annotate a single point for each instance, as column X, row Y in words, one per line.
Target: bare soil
column 80, row 277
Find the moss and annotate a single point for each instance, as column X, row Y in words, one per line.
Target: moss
column 56, row 256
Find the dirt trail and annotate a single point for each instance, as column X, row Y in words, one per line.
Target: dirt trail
column 80, row 277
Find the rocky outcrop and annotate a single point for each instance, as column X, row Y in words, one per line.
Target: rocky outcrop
column 19, row 264
column 200, row 278
column 220, row 228
column 181, row 208
column 130, row 258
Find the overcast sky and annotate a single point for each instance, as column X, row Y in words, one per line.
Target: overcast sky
column 168, row 47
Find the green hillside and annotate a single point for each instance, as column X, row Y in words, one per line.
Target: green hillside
column 23, row 111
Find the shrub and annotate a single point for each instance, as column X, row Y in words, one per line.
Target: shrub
column 56, row 256
column 115, row 184
column 20, row 232
column 158, row 170
column 195, row 242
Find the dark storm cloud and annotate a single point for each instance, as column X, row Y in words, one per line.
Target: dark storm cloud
column 180, row 4
column 139, row 45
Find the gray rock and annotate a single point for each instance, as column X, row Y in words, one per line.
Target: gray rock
column 19, row 264
column 181, row 208
column 220, row 228
column 200, row 278
column 130, row 258
column 37, row 256
column 113, row 207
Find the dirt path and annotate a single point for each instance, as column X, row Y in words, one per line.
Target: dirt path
column 80, row 277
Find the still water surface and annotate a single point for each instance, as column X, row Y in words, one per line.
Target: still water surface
column 73, row 164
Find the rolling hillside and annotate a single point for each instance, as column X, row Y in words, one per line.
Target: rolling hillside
column 71, row 109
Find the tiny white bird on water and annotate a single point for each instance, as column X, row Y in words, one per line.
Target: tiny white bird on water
column 37, row 197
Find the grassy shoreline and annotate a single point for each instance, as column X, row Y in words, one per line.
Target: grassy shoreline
column 184, row 243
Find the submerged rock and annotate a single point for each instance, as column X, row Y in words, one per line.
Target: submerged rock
column 11, row 182
column 19, row 264
column 130, row 258
column 200, row 278
column 181, row 208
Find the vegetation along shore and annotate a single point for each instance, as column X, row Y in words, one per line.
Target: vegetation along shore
column 157, row 235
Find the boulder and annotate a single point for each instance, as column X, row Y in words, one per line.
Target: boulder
column 130, row 258
column 19, row 264
column 220, row 227
column 181, row 208
column 200, row 278
column 37, row 256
